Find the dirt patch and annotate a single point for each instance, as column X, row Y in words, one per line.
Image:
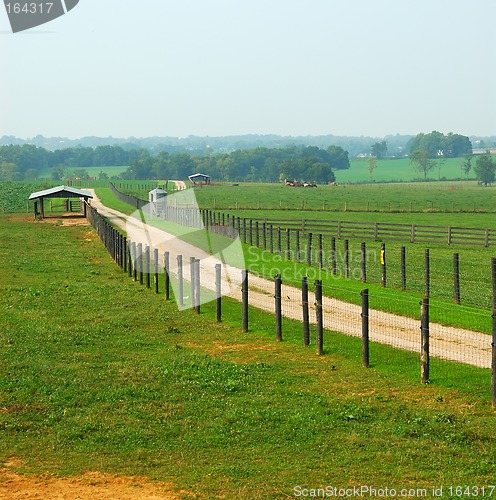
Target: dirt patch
column 218, row 347
column 91, row 485
column 66, row 220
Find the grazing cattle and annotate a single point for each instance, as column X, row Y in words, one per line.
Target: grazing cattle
column 296, row 183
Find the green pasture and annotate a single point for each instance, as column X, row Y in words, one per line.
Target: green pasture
column 401, row 170
column 93, row 172
column 101, row 374
column 449, row 197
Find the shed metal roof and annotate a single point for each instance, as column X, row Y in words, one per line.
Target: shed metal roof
column 61, row 191
column 198, row 176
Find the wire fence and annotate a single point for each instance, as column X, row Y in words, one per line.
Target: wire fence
column 335, row 247
column 379, row 335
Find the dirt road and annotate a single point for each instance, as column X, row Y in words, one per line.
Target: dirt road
column 401, row 332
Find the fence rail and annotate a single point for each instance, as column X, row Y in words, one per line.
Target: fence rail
column 383, row 231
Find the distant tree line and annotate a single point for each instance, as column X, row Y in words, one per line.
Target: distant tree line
column 250, row 165
column 26, row 162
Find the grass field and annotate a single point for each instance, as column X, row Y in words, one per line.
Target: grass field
column 415, row 197
column 400, row 170
column 101, row 375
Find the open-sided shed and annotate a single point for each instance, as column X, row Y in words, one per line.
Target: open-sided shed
column 199, row 179
column 66, row 192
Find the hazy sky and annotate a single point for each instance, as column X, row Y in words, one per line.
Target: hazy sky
column 225, row 67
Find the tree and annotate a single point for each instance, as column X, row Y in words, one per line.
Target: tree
column 81, row 173
column 57, row 173
column 10, row 172
column 485, row 169
column 338, row 158
column 371, row 165
column 379, row 149
column 422, row 162
column 466, row 165
column 437, row 144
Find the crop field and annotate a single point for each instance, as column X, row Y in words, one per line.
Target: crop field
column 14, row 195
column 104, row 376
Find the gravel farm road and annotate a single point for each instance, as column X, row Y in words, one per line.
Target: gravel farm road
column 448, row 343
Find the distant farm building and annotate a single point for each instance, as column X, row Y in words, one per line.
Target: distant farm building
column 73, row 200
column 199, row 179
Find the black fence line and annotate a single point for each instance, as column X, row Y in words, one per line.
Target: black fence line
column 122, row 255
column 225, row 224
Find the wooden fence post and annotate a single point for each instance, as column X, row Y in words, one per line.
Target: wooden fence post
column 166, row 276
column 135, row 261
column 321, row 253
column 403, row 268
column 424, row 351
column 244, row 295
column 130, row 258
column 278, row 309
column 147, row 266
column 297, row 245
column 365, row 328
column 123, row 256
column 155, row 268
column 333, row 255
column 427, row 273
column 346, row 259
column 140, row 262
column 382, row 256
column 456, row 277
column 364, row 262
column 288, row 243
column 180, row 284
column 218, row 292
column 309, row 249
column 306, row 315
column 192, row 271
column 320, row 322
column 197, row 286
